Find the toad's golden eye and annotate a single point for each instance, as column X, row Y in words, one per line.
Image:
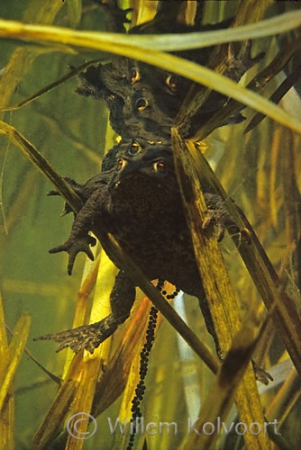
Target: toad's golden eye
column 134, row 148
column 160, row 167
column 121, row 164
column 173, row 82
column 134, row 75
column 141, row 103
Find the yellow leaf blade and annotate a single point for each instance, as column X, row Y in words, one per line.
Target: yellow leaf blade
column 13, row 356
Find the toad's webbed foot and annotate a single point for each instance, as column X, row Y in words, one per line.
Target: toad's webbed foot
column 114, row 17
column 73, row 247
column 91, row 83
column 261, row 375
column 89, row 337
column 241, row 63
column 86, row 337
column 218, row 215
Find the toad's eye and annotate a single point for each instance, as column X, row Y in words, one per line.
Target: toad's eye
column 173, row 82
column 160, row 166
column 121, row 164
column 141, row 103
column 134, row 148
column 134, row 75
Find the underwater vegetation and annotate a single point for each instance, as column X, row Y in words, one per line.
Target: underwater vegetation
column 181, row 104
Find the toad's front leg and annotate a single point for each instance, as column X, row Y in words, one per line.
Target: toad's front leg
column 218, row 215
column 89, row 337
column 79, row 239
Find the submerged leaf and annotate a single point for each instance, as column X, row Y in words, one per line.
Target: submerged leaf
column 219, row 402
column 129, row 46
column 10, row 358
column 74, row 12
column 220, row 297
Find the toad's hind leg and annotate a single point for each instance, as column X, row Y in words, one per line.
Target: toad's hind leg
column 89, row 337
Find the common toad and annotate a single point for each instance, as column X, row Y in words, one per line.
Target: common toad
column 139, row 203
